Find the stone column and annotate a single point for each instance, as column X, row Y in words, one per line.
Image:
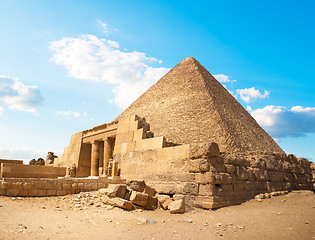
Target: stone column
column 95, row 153
column 108, row 152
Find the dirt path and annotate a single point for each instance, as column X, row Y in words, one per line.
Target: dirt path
column 290, row 216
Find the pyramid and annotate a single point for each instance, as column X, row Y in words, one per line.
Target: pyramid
column 188, row 105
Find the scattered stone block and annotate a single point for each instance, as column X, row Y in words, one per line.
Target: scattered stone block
column 152, row 203
column 177, row 206
column 139, row 198
column 164, row 200
column 119, row 202
column 114, row 190
column 136, row 185
column 150, row 191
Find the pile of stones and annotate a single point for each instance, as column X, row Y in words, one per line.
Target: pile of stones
column 137, row 195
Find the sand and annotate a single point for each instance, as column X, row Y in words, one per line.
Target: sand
column 290, row 216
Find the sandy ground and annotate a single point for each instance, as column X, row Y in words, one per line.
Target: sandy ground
column 291, row 216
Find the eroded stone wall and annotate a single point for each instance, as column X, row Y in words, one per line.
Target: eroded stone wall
column 42, row 187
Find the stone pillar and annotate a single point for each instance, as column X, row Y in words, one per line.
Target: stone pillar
column 108, row 152
column 95, row 153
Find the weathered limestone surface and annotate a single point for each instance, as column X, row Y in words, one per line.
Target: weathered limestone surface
column 31, row 171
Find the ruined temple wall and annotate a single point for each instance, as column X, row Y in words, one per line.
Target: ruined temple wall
column 42, row 187
column 206, row 177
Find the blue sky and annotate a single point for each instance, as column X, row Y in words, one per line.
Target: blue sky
column 66, row 66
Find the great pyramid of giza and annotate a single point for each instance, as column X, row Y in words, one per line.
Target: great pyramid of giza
column 188, row 105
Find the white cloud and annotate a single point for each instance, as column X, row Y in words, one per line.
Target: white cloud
column 21, row 154
column 223, row 78
column 251, row 94
column 70, row 114
column 282, row 122
column 104, row 26
column 90, row 58
column 17, row 96
column 1, row 110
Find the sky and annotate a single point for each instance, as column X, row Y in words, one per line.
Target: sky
column 66, row 66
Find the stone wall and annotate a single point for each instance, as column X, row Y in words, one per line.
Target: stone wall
column 31, row 171
column 42, row 187
column 10, row 161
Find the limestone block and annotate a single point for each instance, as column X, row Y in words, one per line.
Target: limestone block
column 164, row 200
column 206, row 189
column 241, row 173
column 152, row 203
column 122, row 127
column 119, row 202
column 199, row 165
column 51, row 192
column 178, row 196
column 271, row 164
column 239, row 186
column 114, row 190
column 210, row 149
column 139, row 198
column 259, row 174
column 191, row 188
column 177, row 206
column 17, row 185
column 181, row 152
column 120, row 138
column 62, row 192
column 131, row 146
column 258, row 163
column 150, row 191
column 117, row 148
column 129, row 136
column 139, row 134
column 216, row 164
column 136, row 185
column 275, row 176
column 229, row 168
column 17, row 192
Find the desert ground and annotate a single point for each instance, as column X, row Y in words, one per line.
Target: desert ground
column 84, row 216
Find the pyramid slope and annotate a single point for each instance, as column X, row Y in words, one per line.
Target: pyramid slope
column 188, row 105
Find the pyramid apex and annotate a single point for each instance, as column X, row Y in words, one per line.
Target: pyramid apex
column 189, row 60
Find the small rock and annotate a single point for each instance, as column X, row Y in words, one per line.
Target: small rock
column 189, row 220
column 258, row 199
column 219, row 224
column 77, row 205
column 306, row 222
column 150, row 221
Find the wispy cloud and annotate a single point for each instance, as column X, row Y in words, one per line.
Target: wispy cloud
column 71, row 114
column 282, row 122
column 17, row 96
column 104, row 26
column 223, row 78
column 1, row 110
column 91, row 58
column 251, row 94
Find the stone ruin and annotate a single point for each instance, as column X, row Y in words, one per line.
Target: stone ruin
column 186, row 135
